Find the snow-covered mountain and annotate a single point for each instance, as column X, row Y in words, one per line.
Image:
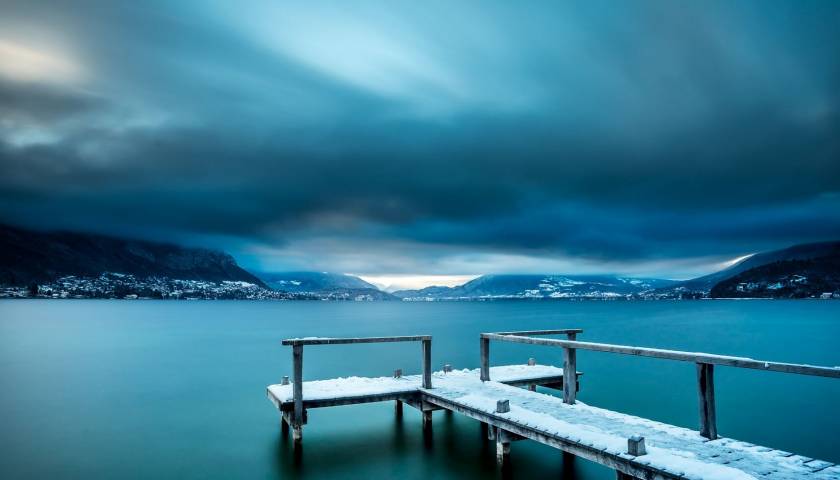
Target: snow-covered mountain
column 322, row 283
column 539, row 287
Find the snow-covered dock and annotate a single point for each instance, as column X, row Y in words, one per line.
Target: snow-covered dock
column 602, row 435
column 353, row 390
column 635, row 447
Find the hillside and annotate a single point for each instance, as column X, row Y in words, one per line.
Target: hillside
column 28, row 257
column 814, row 277
column 322, row 283
column 539, row 286
column 803, row 251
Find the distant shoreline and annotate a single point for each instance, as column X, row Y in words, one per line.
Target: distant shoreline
column 465, row 300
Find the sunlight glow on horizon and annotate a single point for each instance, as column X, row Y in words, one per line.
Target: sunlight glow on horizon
column 392, row 283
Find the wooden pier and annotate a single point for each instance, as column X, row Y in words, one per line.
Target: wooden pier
column 635, row 447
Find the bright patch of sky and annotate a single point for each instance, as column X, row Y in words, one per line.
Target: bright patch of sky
column 392, row 283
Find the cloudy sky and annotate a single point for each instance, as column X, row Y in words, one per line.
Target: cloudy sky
column 428, row 138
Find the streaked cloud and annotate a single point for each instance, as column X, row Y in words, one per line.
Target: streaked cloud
column 428, row 139
column 22, row 63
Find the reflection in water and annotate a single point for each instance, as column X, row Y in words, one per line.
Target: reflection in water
column 428, row 434
column 450, row 446
column 568, row 468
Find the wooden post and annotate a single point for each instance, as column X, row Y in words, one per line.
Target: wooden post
column 706, row 397
column 574, row 381
column 485, row 359
column 285, row 380
column 427, row 364
column 297, row 392
column 398, row 404
column 569, row 375
column 502, row 447
column 427, row 419
column 532, row 387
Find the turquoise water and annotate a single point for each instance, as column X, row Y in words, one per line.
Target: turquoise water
column 144, row 389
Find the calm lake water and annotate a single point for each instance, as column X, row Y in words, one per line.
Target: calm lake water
column 145, row 389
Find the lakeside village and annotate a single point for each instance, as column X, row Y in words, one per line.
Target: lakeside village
column 112, row 285
column 122, row 286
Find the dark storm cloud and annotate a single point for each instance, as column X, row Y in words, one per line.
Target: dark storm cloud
column 604, row 131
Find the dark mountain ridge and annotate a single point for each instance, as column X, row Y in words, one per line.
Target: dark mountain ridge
column 797, row 252
column 814, row 253
column 799, row 278
column 28, row 256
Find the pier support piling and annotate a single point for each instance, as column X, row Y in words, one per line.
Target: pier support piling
column 427, row 419
column 502, row 446
column 502, row 450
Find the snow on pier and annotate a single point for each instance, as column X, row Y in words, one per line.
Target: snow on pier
column 674, row 452
column 349, row 390
column 635, row 447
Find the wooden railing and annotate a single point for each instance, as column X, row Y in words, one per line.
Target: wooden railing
column 297, row 362
column 570, row 372
column 705, row 365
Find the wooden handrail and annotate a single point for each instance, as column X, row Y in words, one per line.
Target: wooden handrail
column 341, row 341
column 696, row 357
column 705, row 367
column 569, row 358
column 297, row 366
column 562, row 331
